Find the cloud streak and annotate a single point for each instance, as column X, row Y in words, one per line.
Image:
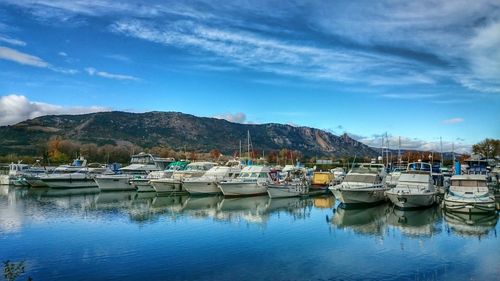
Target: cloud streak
column 94, row 72
column 383, row 43
column 16, row 108
column 12, row 41
column 453, row 120
column 22, row 58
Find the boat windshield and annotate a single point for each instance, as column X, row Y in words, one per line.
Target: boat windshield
column 468, row 183
column 146, row 160
column 244, row 175
column 367, row 178
column 196, row 168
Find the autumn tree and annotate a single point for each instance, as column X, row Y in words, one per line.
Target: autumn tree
column 489, row 148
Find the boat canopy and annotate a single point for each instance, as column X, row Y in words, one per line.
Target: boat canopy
column 365, row 178
column 199, row 166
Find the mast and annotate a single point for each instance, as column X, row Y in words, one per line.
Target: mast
column 441, row 150
column 248, row 144
column 239, row 155
column 399, row 151
column 453, row 151
column 387, row 149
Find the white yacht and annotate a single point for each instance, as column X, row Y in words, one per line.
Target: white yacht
column 295, row 183
column 143, row 184
column 251, row 181
column 174, row 183
column 469, row 194
column 391, row 180
column 140, row 166
column 415, row 187
column 76, row 175
column 19, row 170
column 208, row 183
column 362, row 185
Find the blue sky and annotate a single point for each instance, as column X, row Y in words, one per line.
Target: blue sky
column 419, row 70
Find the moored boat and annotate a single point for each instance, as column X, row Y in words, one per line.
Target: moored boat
column 469, row 194
column 364, row 184
column 251, row 181
column 415, row 187
column 208, row 183
column 174, row 184
column 294, row 184
column 140, row 166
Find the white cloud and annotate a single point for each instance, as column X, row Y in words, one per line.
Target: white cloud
column 22, row 58
column 62, row 54
column 238, row 117
column 12, row 41
column 408, row 143
column 453, row 120
column 94, row 72
column 17, row 108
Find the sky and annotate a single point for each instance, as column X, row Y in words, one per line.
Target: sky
column 419, row 70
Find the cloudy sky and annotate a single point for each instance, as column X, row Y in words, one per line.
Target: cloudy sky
column 420, row 69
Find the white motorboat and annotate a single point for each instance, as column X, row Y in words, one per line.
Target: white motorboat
column 174, row 183
column 415, row 187
column 392, row 178
column 469, row 194
column 208, row 183
column 364, row 184
column 78, row 179
column 140, row 166
column 15, row 171
column 144, row 185
column 294, row 184
column 251, row 181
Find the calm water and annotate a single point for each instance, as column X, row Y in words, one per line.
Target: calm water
column 74, row 235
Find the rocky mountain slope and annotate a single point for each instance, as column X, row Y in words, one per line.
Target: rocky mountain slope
column 175, row 130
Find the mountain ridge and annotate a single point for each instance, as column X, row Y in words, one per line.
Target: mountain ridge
column 175, row 130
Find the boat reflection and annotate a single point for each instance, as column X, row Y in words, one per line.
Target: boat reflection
column 367, row 220
column 249, row 209
column 324, row 202
column 415, row 223
column 294, row 207
column 464, row 224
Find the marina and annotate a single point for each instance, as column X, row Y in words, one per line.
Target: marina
column 249, row 140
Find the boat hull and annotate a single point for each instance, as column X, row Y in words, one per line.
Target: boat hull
column 5, row 180
column 469, row 206
column 114, row 183
column 72, row 183
column 284, row 191
column 353, row 196
column 201, row 187
column 142, row 185
column 167, row 186
column 242, row 189
column 412, row 200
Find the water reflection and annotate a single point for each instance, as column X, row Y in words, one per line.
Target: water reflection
column 368, row 220
column 422, row 222
column 478, row 225
column 81, row 232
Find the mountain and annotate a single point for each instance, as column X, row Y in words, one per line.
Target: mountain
column 175, row 130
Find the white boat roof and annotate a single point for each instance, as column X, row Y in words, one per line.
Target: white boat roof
column 469, row 177
column 256, row 169
column 222, row 170
column 139, row 167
